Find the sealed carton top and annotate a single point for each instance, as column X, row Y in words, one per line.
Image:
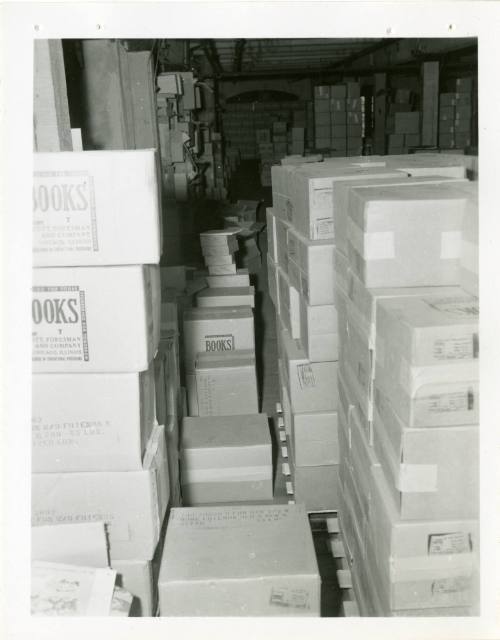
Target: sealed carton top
column 238, row 543
column 225, row 360
column 215, row 292
column 435, row 310
column 218, row 313
column 225, row 431
column 230, row 231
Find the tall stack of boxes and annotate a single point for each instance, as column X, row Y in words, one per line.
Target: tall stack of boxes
column 354, row 115
column 338, row 119
column 225, row 441
column 408, row 389
column 455, row 116
column 98, row 453
column 403, row 124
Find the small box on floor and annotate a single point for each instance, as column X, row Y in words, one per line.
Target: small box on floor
column 92, row 319
column 226, row 383
column 226, row 297
column 216, row 329
column 226, row 459
column 131, row 503
column 91, row 422
column 279, row 577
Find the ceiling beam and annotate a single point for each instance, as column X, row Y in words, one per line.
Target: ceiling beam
column 210, row 51
column 238, row 54
column 365, row 51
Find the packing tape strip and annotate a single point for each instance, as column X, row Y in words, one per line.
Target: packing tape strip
column 451, row 245
column 373, row 245
column 437, row 567
column 237, row 474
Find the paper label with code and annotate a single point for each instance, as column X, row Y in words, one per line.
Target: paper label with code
column 461, row 307
column 451, row 585
column 458, row 348
column 446, row 543
column 306, row 376
column 448, row 402
column 295, row 598
column 323, row 228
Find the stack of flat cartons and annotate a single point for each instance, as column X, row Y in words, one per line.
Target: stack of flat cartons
column 403, row 124
column 98, row 453
column 239, row 561
column 408, row 395
column 455, row 116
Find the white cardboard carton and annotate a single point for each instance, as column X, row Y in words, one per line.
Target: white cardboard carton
column 469, row 255
column 220, row 237
column 289, row 305
column 136, row 576
column 222, row 269
column 427, row 359
column 317, row 488
column 406, row 236
column 208, row 568
column 315, row 438
column 83, row 544
column 95, row 208
column 131, row 503
column 311, row 267
column 219, row 260
column 226, row 459
column 226, row 383
column 216, row 329
column 419, row 165
column 91, row 422
column 319, row 332
column 239, row 279
column 431, row 473
column 92, row 319
column 312, row 386
column 226, row 297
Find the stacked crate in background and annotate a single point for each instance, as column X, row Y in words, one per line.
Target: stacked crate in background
column 355, row 122
column 338, row 119
column 276, row 144
column 226, row 444
column 98, row 452
column 455, row 116
column 403, row 124
column 408, row 388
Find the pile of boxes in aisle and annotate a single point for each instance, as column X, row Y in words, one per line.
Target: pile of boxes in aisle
column 338, row 118
column 455, row 116
column 402, row 124
column 402, row 234
column 219, row 352
column 276, row 144
column 99, row 454
column 408, row 383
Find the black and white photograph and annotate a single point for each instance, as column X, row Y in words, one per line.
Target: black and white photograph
column 250, row 250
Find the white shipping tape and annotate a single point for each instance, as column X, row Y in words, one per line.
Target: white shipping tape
column 451, row 243
column 375, row 245
column 433, row 567
column 236, row 474
column 417, row 478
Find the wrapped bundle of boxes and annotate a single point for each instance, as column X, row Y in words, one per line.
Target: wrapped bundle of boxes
column 455, row 116
column 402, row 124
column 408, row 388
column 338, row 119
column 98, row 451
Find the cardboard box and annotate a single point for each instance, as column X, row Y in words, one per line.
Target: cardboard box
column 312, row 386
column 447, row 113
column 421, row 563
column 88, row 205
column 217, row 237
column 315, row 438
column 289, row 306
column 222, row 269
column 132, row 504
column 431, row 473
column 323, row 131
column 93, row 422
column 282, row 227
column 92, row 319
column 226, row 297
column 469, row 255
column 310, row 267
column 321, row 106
column 353, row 90
column 318, row 331
column 322, row 143
column 274, row 579
column 240, row 279
column 83, row 544
column 136, row 576
column 211, row 251
column 216, row 330
column 273, row 283
column 226, row 383
column 317, row 488
column 226, row 459
column 412, row 140
column 407, row 122
column 219, row 259
column 353, row 104
column 427, row 352
column 338, row 105
column 321, row 91
column 390, row 246
column 322, row 120
column 354, row 118
column 339, row 131
column 263, row 136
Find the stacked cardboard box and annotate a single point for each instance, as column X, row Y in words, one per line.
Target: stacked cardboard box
column 355, row 122
column 402, row 124
column 408, row 397
column 98, row 453
column 338, row 119
column 455, row 116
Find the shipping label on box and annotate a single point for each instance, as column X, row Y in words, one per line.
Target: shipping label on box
column 216, row 330
column 96, row 422
column 132, row 504
column 92, row 319
column 389, row 246
column 87, row 205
